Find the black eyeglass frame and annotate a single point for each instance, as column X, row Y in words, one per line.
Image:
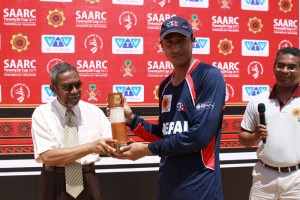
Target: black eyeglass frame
column 69, row 86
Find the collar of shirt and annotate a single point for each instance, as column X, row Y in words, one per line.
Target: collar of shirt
column 273, row 94
column 62, row 110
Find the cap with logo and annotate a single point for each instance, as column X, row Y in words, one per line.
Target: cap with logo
column 175, row 25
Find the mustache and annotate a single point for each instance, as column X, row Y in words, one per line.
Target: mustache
column 74, row 96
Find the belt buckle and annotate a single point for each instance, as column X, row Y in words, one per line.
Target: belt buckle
column 279, row 169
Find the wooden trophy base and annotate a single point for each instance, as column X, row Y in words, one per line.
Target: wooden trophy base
column 119, row 132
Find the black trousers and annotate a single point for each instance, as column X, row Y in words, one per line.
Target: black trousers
column 53, row 184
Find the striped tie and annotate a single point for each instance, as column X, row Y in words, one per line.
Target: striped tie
column 73, row 171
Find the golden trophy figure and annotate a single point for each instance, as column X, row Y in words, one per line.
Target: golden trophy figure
column 117, row 119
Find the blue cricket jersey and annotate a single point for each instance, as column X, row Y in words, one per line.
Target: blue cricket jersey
column 187, row 135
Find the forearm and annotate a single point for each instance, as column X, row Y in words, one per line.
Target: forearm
column 248, row 139
column 62, row 156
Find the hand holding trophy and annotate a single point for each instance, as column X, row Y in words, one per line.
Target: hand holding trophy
column 117, row 119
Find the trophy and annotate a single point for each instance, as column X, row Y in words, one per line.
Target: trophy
column 117, row 119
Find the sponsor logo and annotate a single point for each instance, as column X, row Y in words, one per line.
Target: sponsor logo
column 201, row 45
column 19, row 17
column 257, row 5
column 127, row 68
column 133, row 93
column 166, row 103
column 56, row 18
column 254, row 25
column 129, row 2
column 285, row 5
column 285, row 26
column 20, row 92
column 19, row 42
column 52, row 62
column 205, row 105
column 285, row 43
column 155, row 92
column 92, row 68
column 155, row 20
column 127, row 45
column 127, row 19
column 225, row 46
column 58, row 43
column 180, row 107
column 225, row 23
column 296, row 112
column 255, row 69
column 47, row 94
column 93, row 43
column 157, row 46
column 249, row 91
column 255, row 48
column 162, row 3
column 19, row 67
column 228, row 69
column 159, row 68
column 225, row 4
column 195, row 22
column 91, row 19
column 92, row 93
column 194, row 3
column 229, row 92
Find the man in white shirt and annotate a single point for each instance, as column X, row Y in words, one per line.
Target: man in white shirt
column 276, row 175
column 93, row 130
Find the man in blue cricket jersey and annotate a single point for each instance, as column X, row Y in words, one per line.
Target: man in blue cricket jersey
column 187, row 135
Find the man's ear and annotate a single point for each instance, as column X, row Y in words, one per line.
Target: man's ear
column 193, row 39
column 161, row 44
column 53, row 88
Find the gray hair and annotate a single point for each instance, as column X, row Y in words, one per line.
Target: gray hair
column 58, row 69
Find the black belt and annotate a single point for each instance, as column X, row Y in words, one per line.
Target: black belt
column 59, row 169
column 282, row 169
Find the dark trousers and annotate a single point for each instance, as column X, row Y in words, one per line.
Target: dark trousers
column 53, row 184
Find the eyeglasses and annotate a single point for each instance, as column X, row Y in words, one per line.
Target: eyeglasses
column 69, row 87
column 290, row 67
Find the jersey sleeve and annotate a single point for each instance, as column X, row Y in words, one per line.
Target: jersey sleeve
column 145, row 130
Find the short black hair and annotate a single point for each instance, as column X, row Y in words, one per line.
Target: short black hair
column 288, row 50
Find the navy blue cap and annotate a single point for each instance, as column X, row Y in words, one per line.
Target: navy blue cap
column 176, row 25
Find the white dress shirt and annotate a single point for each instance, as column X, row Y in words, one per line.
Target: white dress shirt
column 48, row 127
